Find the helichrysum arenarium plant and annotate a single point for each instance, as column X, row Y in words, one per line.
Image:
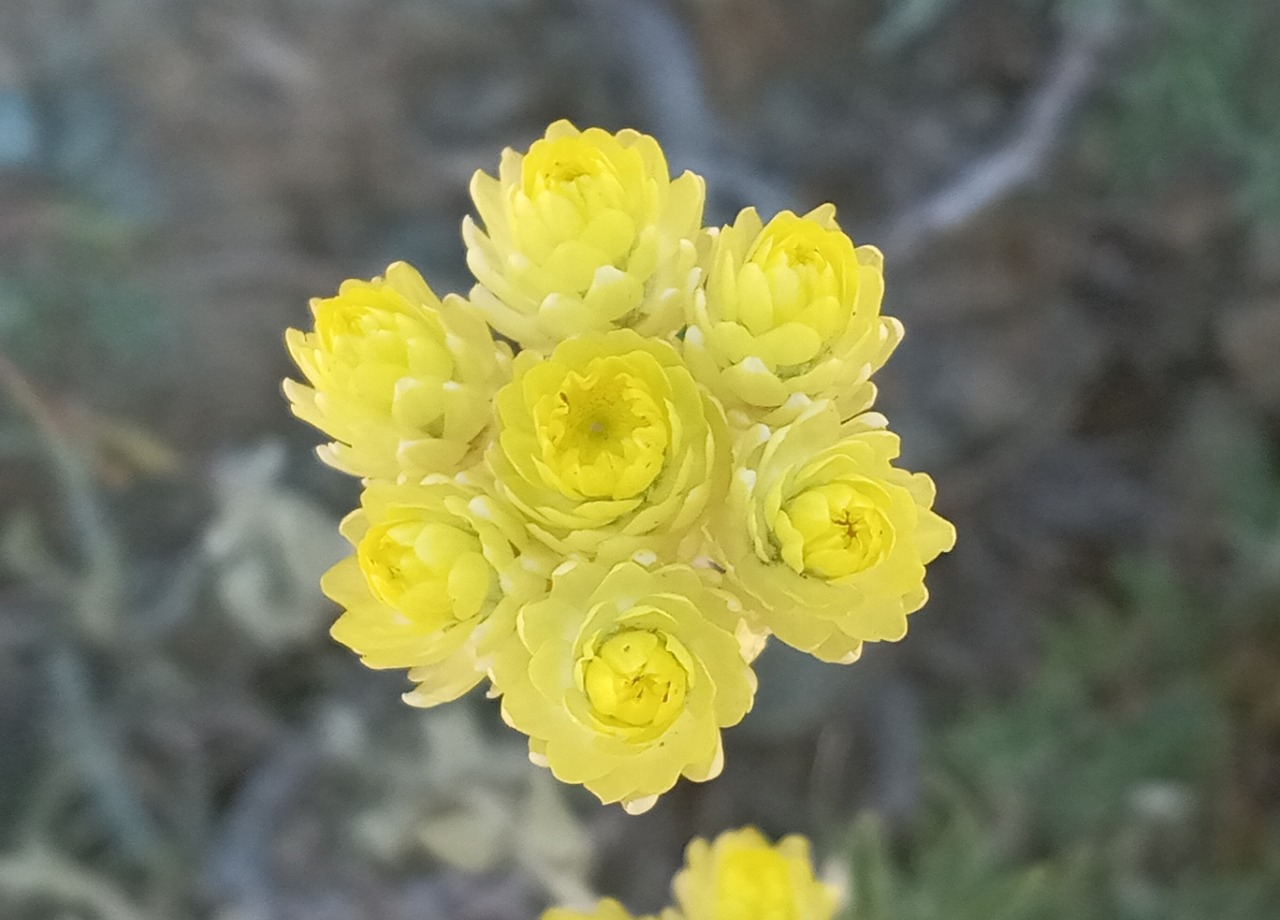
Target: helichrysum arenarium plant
column 738, row 876
column 678, row 461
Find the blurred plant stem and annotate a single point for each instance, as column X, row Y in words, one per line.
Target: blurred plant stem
column 36, row 873
column 88, row 741
column 98, row 591
column 86, row 736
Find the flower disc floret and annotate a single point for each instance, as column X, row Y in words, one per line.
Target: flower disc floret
column 399, row 379
column 585, row 232
column 438, row 572
column 623, row 677
column 608, row 446
column 790, row 307
column 741, row 876
column 827, row 538
column 637, row 679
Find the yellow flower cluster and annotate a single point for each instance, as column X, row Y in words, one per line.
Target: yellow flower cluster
column 677, row 462
column 738, row 876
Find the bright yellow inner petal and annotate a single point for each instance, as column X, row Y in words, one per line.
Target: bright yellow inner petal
column 634, row 680
column 604, row 432
column 806, row 265
column 836, row 529
column 432, row 572
column 343, row 317
column 566, row 166
column 754, row 884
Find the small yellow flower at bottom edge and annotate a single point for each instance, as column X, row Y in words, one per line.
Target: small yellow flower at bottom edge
column 623, row 678
column 607, row 909
column 742, row 876
column 437, row 574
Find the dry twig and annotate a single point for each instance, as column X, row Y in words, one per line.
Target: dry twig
column 1025, row 154
column 35, row 874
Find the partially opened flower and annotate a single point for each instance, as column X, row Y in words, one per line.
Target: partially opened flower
column 790, row 307
column 585, row 232
column 623, row 678
column 826, row 537
column 401, row 381
column 438, row 572
column 608, row 447
column 742, row 876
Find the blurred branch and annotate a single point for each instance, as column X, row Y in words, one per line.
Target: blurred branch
column 99, row 598
column 48, row 794
column 86, row 739
column 97, row 591
column 899, row 724
column 239, row 864
column 38, row 874
column 1029, row 149
column 651, row 44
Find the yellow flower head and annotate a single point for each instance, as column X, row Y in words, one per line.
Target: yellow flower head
column 790, row 307
column 608, row 446
column 438, row 572
column 829, row 539
column 622, row 678
column 677, row 464
column 401, row 381
column 741, row 876
column 585, row 232
column 607, row 909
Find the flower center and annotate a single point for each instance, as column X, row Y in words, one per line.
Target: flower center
column 807, row 269
column 798, row 252
column 432, row 572
column 636, row 679
column 836, row 529
column 564, row 166
column 754, row 885
column 603, row 432
column 340, row 318
column 790, row 242
column 343, row 322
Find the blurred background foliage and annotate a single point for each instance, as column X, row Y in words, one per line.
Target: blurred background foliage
column 1079, row 201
